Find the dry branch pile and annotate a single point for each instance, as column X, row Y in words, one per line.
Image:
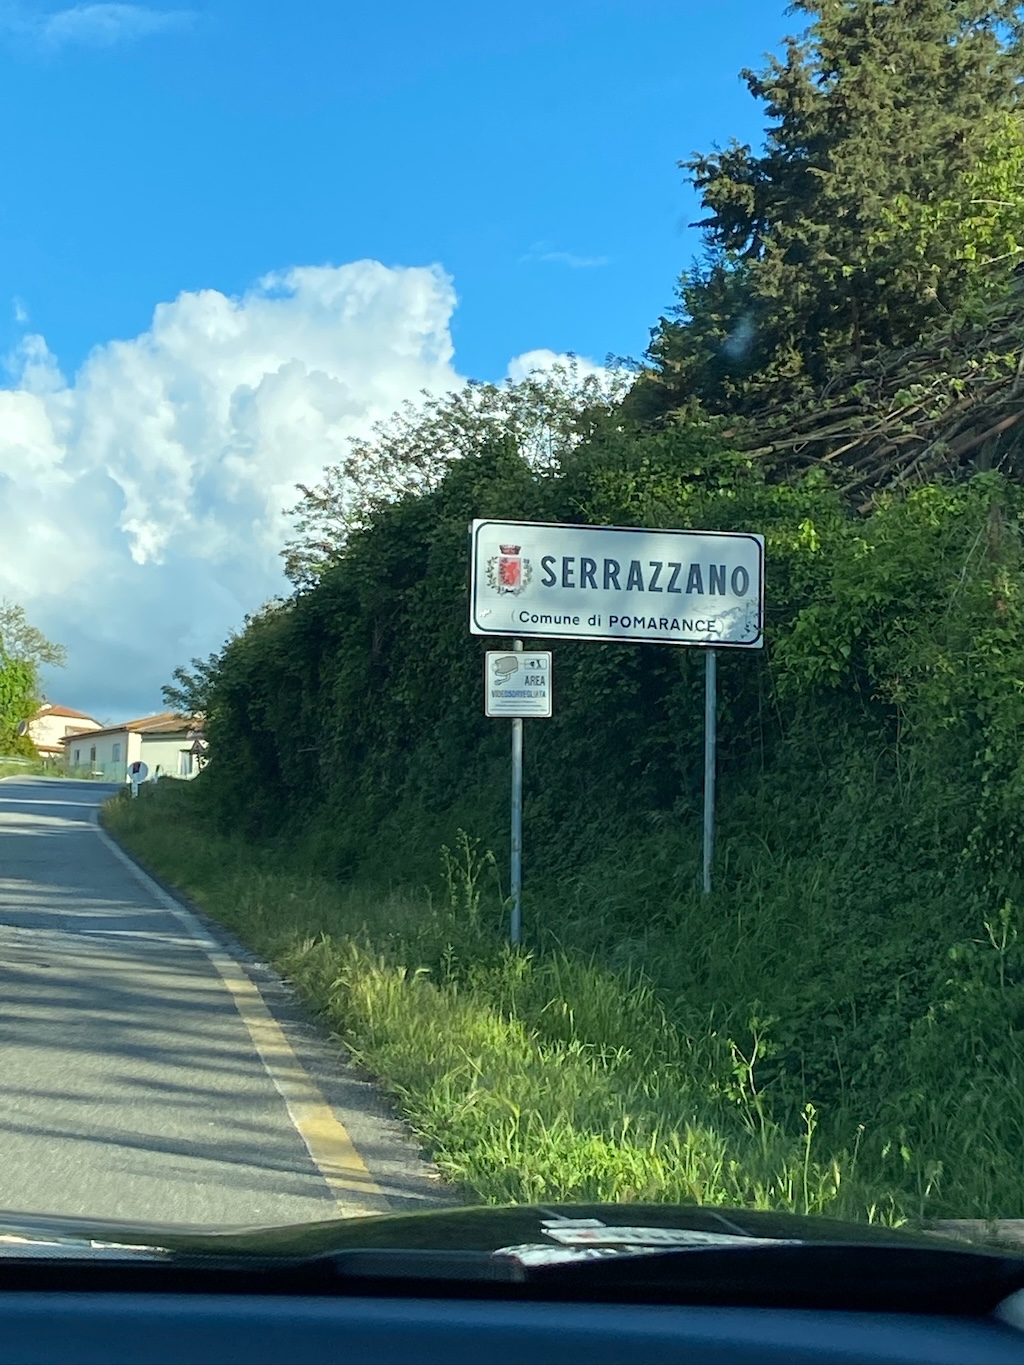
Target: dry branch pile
column 949, row 406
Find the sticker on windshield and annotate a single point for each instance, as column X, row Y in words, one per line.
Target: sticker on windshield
column 572, row 1223
column 599, row 1236
column 534, row 1254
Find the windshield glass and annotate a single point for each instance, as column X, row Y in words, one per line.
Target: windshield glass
column 510, row 616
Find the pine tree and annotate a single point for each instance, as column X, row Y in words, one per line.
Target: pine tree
column 889, row 195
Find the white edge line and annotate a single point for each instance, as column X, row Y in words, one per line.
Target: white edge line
column 217, row 954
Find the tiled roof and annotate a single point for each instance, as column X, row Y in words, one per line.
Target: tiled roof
column 51, row 709
column 165, row 723
column 166, row 720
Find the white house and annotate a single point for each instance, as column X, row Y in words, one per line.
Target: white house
column 169, row 745
column 51, row 724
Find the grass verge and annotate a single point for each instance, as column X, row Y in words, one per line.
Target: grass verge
column 530, row 1076
column 26, row 767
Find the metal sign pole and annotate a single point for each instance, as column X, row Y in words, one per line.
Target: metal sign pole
column 710, row 739
column 516, row 928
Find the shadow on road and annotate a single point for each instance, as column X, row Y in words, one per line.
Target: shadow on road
column 130, row 1085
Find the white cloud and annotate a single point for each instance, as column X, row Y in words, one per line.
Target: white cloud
column 103, row 25
column 142, row 502
column 541, row 251
column 89, row 25
column 523, row 365
column 20, row 312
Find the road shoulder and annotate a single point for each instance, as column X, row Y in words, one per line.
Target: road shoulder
column 402, row 1178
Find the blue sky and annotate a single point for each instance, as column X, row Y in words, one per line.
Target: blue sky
column 160, row 154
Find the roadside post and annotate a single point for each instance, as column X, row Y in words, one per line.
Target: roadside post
column 710, row 744
column 518, row 686
column 516, row 877
column 618, row 585
column 137, row 772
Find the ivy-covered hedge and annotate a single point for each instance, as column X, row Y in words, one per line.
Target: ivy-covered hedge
column 363, row 697
column 355, row 709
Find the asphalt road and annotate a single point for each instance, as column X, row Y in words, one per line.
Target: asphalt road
column 138, row 1079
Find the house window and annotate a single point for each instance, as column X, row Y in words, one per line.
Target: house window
column 185, row 763
column 92, row 754
column 78, row 755
column 115, row 755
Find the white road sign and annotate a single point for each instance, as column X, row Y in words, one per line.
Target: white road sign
column 517, row 684
column 617, row 583
column 137, row 773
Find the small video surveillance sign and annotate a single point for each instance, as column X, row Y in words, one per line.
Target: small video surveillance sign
column 517, row 684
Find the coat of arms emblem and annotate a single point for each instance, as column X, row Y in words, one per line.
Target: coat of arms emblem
column 509, row 571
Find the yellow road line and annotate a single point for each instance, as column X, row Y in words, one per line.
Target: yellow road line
column 326, row 1138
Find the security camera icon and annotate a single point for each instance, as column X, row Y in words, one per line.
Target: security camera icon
column 505, row 667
